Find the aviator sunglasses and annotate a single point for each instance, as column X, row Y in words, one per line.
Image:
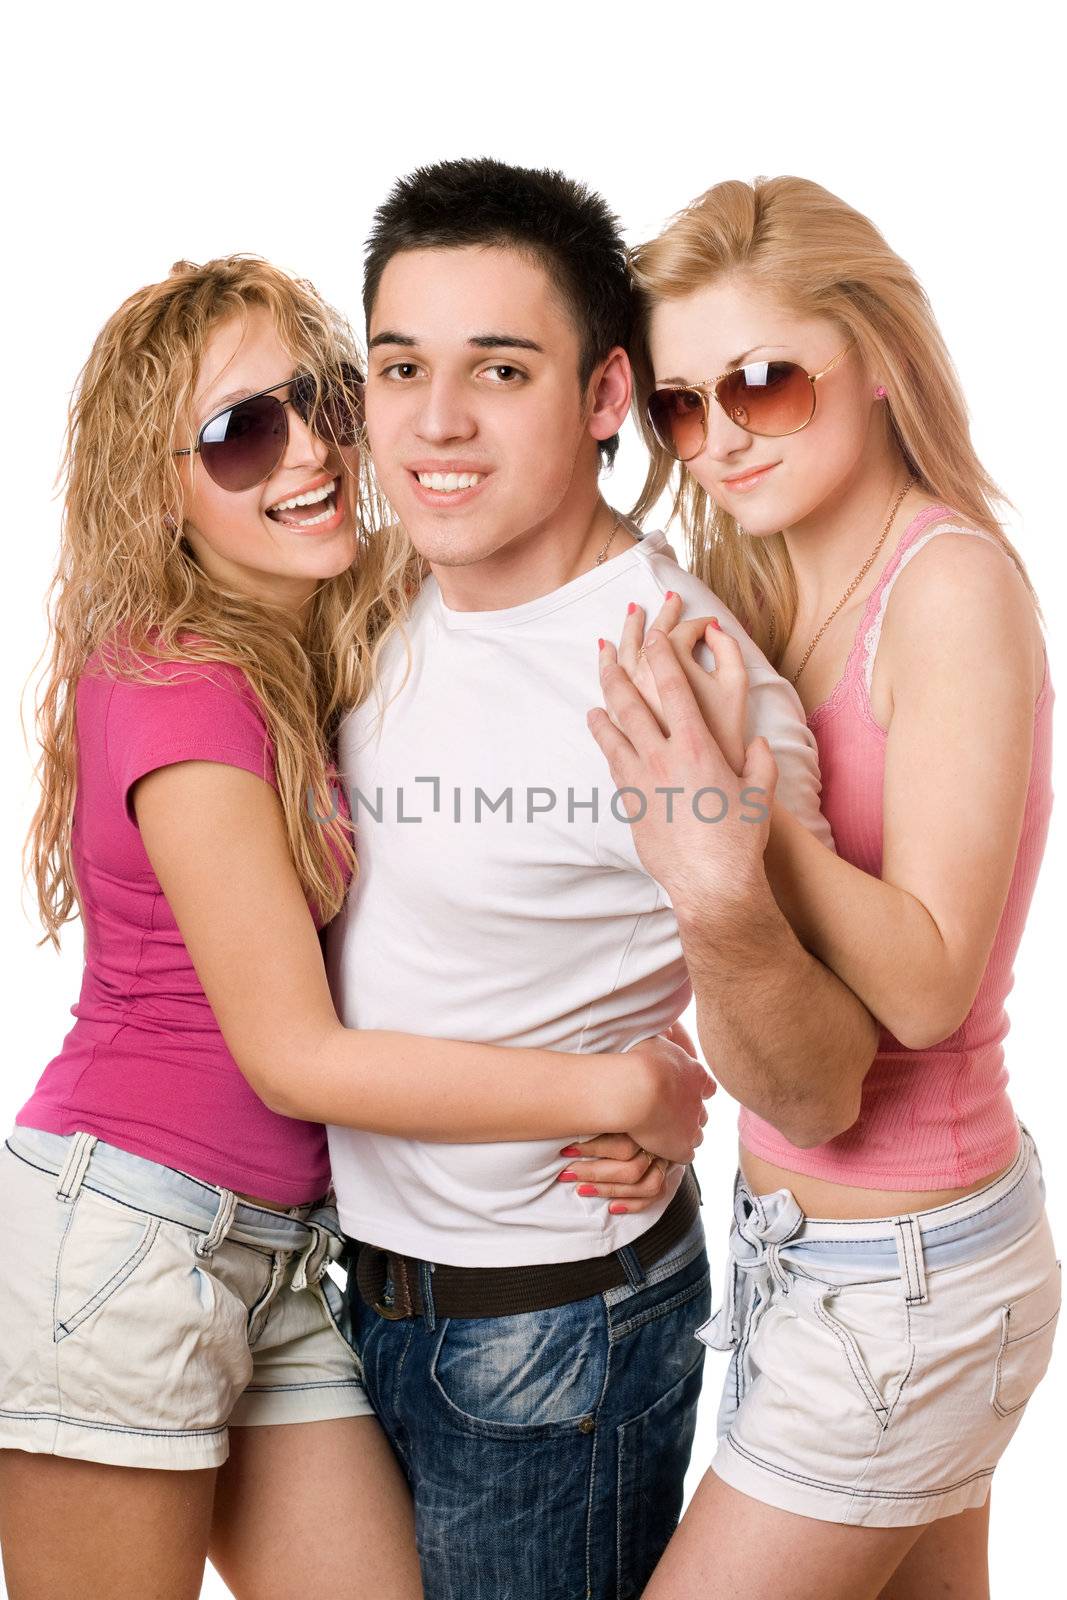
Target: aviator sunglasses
column 767, row 398
column 241, row 445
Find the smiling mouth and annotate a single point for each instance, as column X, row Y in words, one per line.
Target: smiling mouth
column 742, row 479
column 306, row 510
column 449, row 482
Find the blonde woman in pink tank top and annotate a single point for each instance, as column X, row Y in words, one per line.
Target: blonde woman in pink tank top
column 892, row 1293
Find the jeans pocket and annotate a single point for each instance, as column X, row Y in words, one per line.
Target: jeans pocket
column 654, row 1451
column 535, row 1375
column 1027, row 1331
column 101, row 1246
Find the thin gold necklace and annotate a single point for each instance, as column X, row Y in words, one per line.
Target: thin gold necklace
column 603, row 556
column 861, row 574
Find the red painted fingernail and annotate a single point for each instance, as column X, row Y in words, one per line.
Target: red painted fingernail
column 716, row 624
column 567, row 1177
column 600, row 644
column 617, row 1206
column 669, row 595
column 570, row 1150
column 630, row 609
column 586, row 1188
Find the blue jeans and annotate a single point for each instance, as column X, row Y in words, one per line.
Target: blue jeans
column 546, row 1452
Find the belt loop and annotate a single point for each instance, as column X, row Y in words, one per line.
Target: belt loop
column 635, row 1272
column 220, row 1227
column 75, row 1167
column 912, row 1264
column 429, row 1310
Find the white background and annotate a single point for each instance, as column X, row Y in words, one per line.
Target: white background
column 134, row 137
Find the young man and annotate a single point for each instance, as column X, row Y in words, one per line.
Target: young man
column 530, row 1349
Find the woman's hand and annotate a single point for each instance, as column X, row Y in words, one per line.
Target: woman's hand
column 722, row 694
column 631, row 1169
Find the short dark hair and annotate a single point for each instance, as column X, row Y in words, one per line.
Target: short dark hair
column 568, row 227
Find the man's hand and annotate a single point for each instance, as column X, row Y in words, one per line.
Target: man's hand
column 699, row 828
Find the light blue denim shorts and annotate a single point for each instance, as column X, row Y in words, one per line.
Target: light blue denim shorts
column 880, row 1367
column 145, row 1312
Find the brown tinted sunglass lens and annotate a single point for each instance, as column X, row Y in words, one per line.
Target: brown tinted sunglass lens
column 679, row 421
column 770, row 398
column 335, row 412
column 242, row 446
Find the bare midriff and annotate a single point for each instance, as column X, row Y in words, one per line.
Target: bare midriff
column 817, row 1197
column 268, row 1205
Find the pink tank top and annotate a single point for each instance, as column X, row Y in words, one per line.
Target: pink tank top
column 937, row 1118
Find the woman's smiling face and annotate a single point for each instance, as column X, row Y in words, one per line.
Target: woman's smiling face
column 766, row 484
column 245, row 540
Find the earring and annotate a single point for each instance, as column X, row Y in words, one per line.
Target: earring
column 881, row 392
column 169, row 523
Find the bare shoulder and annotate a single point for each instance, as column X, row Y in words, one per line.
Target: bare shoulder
column 958, row 593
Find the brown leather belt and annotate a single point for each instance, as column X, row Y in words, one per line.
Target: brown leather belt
column 503, row 1291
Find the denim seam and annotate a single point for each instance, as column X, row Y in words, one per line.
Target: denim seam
column 867, row 1494
column 623, row 1329
column 594, row 1452
column 106, row 1427
column 286, row 1388
column 656, row 1273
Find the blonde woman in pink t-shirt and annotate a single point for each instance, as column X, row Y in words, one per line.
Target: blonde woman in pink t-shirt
column 176, row 1371
column 892, row 1294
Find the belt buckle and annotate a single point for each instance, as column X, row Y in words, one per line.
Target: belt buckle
column 390, row 1313
column 396, row 1269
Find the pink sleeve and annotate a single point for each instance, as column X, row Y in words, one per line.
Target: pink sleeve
column 195, row 711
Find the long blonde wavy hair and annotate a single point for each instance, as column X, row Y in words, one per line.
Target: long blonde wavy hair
column 127, row 583
column 812, row 253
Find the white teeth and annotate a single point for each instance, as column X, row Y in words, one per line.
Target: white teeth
column 312, row 497
column 313, row 522
column 447, row 482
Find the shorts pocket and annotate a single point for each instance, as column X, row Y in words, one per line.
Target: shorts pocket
column 1028, row 1327
column 101, row 1247
column 880, row 1366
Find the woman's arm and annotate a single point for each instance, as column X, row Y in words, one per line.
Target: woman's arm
column 216, row 839
column 958, row 645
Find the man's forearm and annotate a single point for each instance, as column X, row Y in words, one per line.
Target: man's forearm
column 780, row 1031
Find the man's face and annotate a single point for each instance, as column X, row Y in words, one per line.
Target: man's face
column 477, row 425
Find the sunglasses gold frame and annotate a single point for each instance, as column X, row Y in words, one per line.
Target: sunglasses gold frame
column 709, row 386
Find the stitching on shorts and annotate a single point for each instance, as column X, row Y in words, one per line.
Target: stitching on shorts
column 106, row 1427
column 883, row 1238
column 62, row 1329
column 867, row 1494
column 856, row 1363
column 188, row 1227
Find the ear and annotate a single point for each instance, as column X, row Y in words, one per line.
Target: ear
column 611, row 391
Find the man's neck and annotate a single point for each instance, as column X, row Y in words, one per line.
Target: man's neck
column 539, row 562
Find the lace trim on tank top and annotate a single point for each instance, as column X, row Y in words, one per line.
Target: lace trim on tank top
column 874, row 632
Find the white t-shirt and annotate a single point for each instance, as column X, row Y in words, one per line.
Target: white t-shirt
column 529, row 923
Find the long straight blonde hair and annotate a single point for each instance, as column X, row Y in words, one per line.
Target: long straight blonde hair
column 808, row 250
column 128, row 585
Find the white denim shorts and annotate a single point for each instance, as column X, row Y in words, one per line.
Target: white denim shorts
column 880, row 1367
column 144, row 1312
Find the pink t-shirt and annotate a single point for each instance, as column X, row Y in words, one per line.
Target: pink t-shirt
column 145, row 1066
